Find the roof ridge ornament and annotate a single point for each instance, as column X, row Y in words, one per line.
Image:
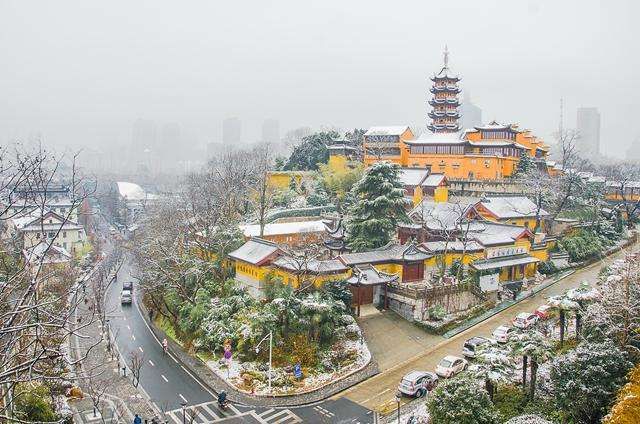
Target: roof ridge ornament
column 446, row 56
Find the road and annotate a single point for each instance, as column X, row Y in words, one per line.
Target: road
column 168, row 384
column 378, row 392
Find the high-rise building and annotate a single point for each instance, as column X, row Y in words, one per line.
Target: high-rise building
column 143, row 135
column 471, row 114
column 271, row 131
column 231, row 131
column 588, row 125
column 444, row 103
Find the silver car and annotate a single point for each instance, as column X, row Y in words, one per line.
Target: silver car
column 418, row 383
column 126, row 297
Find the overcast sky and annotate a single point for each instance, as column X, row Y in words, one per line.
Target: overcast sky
column 80, row 72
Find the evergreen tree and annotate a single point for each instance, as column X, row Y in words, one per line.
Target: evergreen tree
column 310, row 152
column 585, row 381
column 461, row 401
column 525, row 165
column 378, row 207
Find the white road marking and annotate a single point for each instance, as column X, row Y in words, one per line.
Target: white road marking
column 128, row 328
column 133, row 337
column 210, row 411
column 164, row 378
column 182, row 397
column 151, row 363
column 373, row 397
column 140, row 347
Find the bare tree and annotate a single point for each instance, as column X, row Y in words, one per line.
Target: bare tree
column 261, row 192
column 136, row 363
column 37, row 304
column 623, row 183
column 304, row 261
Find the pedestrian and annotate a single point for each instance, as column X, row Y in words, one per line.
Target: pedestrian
column 165, row 345
column 137, row 420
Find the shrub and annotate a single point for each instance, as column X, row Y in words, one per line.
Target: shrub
column 32, row 404
column 437, row 312
column 547, row 268
column 584, row 245
column 461, row 400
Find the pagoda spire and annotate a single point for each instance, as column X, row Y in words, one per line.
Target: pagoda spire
column 444, row 102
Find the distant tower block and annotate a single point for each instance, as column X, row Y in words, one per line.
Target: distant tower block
column 444, row 104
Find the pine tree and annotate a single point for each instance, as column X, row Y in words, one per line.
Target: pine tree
column 525, row 165
column 379, row 205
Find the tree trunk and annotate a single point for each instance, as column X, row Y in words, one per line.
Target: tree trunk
column 490, row 389
column 524, row 372
column 534, row 372
column 562, row 320
column 578, row 324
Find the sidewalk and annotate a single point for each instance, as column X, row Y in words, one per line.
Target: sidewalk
column 121, row 400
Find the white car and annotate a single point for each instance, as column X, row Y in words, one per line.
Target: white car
column 417, row 383
column 525, row 320
column 125, row 297
column 450, row 365
column 503, row 333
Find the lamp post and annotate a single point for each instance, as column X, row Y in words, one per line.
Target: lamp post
column 270, row 336
column 183, row 404
column 398, row 399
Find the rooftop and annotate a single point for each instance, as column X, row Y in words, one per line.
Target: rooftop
column 438, row 138
column 388, row 130
column 407, row 252
column 281, row 228
column 255, row 251
column 512, row 207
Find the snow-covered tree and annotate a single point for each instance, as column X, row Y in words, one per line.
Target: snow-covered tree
column 461, row 400
column 564, row 306
column 616, row 316
column 586, row 380
column 378, row 208
column 525, row 165
column 583, row 296
column 493, row 365
column 533, row 346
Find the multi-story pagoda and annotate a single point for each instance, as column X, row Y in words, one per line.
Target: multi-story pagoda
column 444, row 114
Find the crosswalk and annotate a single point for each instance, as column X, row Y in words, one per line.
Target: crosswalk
column 209, row 412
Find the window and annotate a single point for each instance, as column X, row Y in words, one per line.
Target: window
column 64, row 234
column 52, row 234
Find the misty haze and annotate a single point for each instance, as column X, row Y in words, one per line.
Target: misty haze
column 319, row 212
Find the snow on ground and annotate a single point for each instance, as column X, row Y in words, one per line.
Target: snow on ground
column 282, row 380
column 420, row 415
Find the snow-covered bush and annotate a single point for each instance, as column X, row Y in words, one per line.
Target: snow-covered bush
column 528, row 419
column 461, row 400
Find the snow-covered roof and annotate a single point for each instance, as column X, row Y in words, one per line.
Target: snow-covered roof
column 388, row 130
column 281, row 228
column 438, row 138
column 511, row 207
column 368, row 275
column 453, row 246
column 255, row 251
column 413, row 176
column 433, row 180
column 131, row 191
column 442, row 216
column 407, row 252
column 503, row 262
column 46, row 253
column 492, row 233
column 494, row 125
column 313, row 265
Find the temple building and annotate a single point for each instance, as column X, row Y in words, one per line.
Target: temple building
column 484, row 152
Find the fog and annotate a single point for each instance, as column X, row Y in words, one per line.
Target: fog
column 80, row 73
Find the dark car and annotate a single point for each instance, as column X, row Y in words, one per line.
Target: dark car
column 127, row 285
column 471, row 346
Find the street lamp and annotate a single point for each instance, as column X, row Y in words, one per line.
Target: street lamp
column 398, row 399
column 270, row 336
column 183, row 404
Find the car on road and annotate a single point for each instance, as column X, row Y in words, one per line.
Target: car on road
column 525, row 320
column 503, row 333
column 450, row 365
column 418, row 383
column 127, row 285
column 112, row 231
column 544, row 311
column 472, row 345
column 125, row 297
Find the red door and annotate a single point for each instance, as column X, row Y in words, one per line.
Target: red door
column 413, row 271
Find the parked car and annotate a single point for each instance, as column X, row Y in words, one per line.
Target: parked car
column 544, row 311
column 472, row 345
column 127, row 285
column 525, row 320
column 503, row 333
column 450, row 365
column 126, row 297
column 418, row 383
